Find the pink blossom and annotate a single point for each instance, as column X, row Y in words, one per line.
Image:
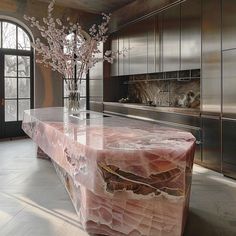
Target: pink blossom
column 62, row 52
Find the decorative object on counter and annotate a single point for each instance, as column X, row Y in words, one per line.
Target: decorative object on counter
column 189, row 100
column 66, row 47
column 151, row 104
column 124, row 176
column 196, row 101
column 124, row 100
column 181, row 101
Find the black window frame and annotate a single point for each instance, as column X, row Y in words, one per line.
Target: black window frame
column 18, row 52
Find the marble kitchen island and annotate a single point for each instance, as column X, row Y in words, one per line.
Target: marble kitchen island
column 124, row 176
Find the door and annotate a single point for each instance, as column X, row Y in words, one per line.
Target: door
column 16, row 93
column 16, row 78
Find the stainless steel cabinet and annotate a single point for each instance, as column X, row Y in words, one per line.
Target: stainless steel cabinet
column 171, row 39
column 95, row 82
column 190, row 34
column 151, row 44
column 120, row 56
column 229, row 83
column 115, row 47
column 211, row 57
column 158, row 41
column 124, row 66
column 228, row 24
column 229, row 147
column 138, row 48
column 229, row 113
column 126, row 59
column 211, row 142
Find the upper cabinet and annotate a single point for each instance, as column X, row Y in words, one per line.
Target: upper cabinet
column 168, row 41
column 124, row 65
column 126, row 57
column 115, row 47
column 190, row 35
column 158, row 42
column 138, row 48
column 124, row 60
column 151, row 44
column 171, row 39
column 228, row 24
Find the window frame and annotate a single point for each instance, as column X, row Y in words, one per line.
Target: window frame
column 18, row 53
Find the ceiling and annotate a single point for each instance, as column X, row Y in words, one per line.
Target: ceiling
column 93, row 6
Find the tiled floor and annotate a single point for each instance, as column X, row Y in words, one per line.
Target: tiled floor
column 33, row 202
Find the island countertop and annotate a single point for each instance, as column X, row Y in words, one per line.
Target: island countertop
column 100, row 131
column 111, row 157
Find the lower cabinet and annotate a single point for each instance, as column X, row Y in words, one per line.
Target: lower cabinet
column 229, row 147
column 211, row 142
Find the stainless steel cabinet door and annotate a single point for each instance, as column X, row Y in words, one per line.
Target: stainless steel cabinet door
column 138, row 48
column 211, row 57
column 151, row 45
column 158, row 44
column 124, row 66
column 190, row 34
column 229, row 83
column 211, row 142
column 228, row 24
column 171, row 39
column 229, row 147
column 115, row 47
column 120, row 56
column 126, row 63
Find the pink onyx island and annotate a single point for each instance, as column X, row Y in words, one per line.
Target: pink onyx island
column 124, row 176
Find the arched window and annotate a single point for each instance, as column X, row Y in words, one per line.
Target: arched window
column 16, row 77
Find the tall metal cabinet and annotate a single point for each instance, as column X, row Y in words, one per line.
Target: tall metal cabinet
column 229, row 113
column 229, row 88
column 211, row 84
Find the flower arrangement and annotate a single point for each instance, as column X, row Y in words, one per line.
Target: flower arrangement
column 65, row 48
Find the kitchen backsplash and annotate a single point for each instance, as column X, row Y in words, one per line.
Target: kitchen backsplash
column 173, row 92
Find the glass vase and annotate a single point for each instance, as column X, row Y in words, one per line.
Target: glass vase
column 74, row 101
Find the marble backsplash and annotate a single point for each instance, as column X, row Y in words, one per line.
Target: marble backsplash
column 169, row 92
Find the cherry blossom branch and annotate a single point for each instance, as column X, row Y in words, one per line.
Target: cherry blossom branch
column 66, row 46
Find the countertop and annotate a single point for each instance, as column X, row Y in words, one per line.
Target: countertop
column 100, row 132
column 177, row 110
